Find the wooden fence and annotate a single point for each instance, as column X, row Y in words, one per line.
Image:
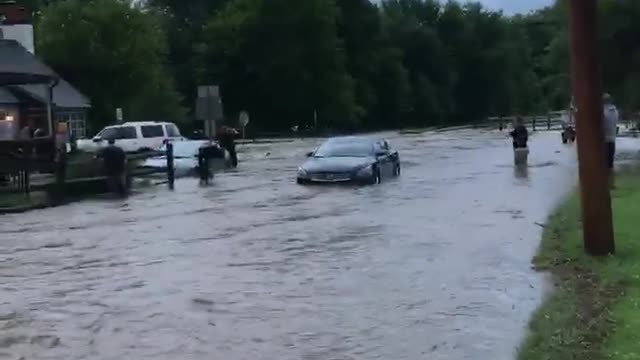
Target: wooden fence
column 545, row 122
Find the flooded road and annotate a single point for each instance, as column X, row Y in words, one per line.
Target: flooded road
column 433, row 265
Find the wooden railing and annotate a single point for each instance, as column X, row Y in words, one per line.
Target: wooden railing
column 544, row 122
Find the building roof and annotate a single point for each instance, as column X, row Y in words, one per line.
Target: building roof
column 19, row 66
column 6, row 97
column 22, row 69
column 64, row 95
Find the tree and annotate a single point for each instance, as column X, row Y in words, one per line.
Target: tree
column 282, row 60
column 183, row 21
column 375, row 64
column 112, row 51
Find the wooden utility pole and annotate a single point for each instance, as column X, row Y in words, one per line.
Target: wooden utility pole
column 587, row 89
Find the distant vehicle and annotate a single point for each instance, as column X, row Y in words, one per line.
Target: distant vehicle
column 133, row 136
column 363, row 160
column 185, row 157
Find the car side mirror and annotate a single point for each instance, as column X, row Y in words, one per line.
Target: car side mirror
column 310, row 154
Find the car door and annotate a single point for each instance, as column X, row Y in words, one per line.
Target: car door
column 152, row 136
column 127, row 138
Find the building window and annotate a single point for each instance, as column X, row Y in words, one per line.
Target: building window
column 75, row 123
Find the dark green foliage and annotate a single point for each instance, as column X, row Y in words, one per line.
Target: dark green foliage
column 337, row 64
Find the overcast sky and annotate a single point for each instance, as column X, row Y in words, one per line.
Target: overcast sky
column 516, row 6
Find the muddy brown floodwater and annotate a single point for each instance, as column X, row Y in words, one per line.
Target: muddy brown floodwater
column 433, row 265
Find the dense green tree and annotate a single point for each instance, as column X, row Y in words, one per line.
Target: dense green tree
column 183, row 21
column 113, row 52
column 281, row 60
column 375, row 63
column 345, row 64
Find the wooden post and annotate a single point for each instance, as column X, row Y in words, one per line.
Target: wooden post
column 170, row 166
column 26, row 174
column 587, row 88
column 548, row 121
column 534, row 123
column 61, row 167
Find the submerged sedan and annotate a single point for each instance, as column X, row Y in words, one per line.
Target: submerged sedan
column 355, row 159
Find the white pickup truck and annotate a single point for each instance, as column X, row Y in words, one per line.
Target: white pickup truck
column 133, row 136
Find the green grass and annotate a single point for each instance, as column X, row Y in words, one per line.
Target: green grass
column 593, row 311
column 12, row 200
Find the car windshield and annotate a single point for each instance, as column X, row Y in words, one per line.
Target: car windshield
column 344, row 149
column 185, row 149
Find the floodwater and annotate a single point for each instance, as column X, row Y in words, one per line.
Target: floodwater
column 433, row 265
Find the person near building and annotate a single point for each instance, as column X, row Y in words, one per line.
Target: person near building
column 26, row 133
column 610, row 120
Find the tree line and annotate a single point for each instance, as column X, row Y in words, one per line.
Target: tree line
column 337, row 64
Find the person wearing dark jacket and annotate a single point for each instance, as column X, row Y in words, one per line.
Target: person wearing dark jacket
column 226, row 138
column 114, row 166
column 520, row 134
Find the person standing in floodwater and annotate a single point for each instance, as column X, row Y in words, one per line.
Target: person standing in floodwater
column 610, row 117
column 114, row 166
column 519, row 134
column 226, row 137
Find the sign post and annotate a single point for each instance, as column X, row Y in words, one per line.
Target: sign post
column 119, row 116
column 209, row 108
column 243, row 120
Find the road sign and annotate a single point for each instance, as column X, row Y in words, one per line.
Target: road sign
column 243, row 119
column 209, row 108
column 208, row 91
column 119, row 116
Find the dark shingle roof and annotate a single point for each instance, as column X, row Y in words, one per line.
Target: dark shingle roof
column 64, row 95
column 19, row 66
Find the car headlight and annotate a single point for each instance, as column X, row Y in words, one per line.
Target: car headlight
column 302, row 172
column 366, row 171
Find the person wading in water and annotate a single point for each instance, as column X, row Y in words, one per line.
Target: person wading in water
column 610, row 118
column 114, row 166
column 519, row 134
column 226, row 137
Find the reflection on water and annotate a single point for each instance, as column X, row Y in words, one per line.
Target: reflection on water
column 521, row 171
column 433, row 265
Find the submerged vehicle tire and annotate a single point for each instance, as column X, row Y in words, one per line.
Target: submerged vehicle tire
column 564, row 138
column 396, row 170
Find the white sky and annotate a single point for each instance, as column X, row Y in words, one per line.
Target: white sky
column 516, row 6
column 511, row 7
